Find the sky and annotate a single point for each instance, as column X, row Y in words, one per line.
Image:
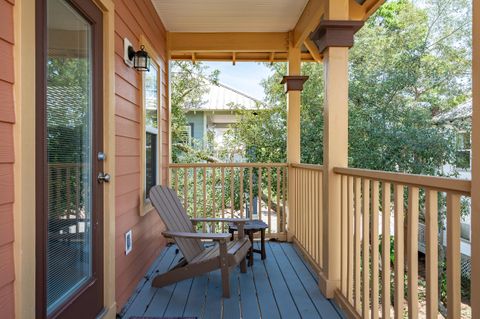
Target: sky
column 244, row 76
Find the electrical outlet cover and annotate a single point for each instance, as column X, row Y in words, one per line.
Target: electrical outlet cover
column 128, row 242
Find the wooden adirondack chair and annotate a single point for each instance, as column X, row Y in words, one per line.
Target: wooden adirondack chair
column 197, row 258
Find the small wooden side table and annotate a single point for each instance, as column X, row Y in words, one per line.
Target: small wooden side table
column 250, row 228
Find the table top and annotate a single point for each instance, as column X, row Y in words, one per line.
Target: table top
column 254, row 224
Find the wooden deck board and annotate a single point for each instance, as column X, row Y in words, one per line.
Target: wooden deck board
column 231, row 306
column 282, row 286
column 323, row 305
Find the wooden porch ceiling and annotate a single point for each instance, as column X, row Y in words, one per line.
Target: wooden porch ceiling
column 206, row 40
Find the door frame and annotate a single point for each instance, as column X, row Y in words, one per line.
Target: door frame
column 24, row 147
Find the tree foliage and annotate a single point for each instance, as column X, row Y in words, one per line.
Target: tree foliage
column 409, row 63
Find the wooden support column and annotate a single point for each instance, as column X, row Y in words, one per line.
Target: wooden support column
column 293, row 133
column 330, row 39
column 475, row 218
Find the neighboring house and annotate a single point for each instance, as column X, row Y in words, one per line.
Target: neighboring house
column 459, row 120
column 217, row 113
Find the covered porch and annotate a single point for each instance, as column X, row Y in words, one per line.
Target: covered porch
column 337, row 219
column 281, row 286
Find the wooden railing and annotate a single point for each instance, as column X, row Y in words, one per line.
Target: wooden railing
column 245, row 190
column 366, row 200
column 306, row 206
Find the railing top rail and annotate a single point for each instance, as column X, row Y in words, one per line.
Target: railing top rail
column 192, row 165
column 432, row 182
column 314, row 167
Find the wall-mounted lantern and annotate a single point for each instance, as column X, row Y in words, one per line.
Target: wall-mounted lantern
column 140, row 60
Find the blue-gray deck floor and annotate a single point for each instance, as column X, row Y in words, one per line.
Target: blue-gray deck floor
column 281, row 286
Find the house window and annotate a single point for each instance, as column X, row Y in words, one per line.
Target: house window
column 151, row 93
column 463, row 154
column 187, row 134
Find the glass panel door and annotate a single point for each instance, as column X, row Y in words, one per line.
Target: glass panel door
column 69, row 146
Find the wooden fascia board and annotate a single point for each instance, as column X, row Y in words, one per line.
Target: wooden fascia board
column 228, row 42
column 308, row 21
column 239, row 56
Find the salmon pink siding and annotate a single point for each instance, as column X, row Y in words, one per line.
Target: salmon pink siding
column 7, row 120
column 133, row 19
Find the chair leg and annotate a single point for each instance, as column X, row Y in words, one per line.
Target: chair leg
column 224, row 269
column 243, row 266
column 225, row 281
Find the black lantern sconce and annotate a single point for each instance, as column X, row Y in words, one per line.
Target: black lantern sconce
column 140, row 60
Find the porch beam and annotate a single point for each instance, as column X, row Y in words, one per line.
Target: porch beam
column 308, row 21
column 363, row 11
column 335, row 149
column 475, row 213
column 228, row 42
column 313, row 49
column 293, row 132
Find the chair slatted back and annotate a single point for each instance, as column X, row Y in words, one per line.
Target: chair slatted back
column 175, row 218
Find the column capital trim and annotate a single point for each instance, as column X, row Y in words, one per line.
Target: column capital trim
column 335, row 33
column 294, row 82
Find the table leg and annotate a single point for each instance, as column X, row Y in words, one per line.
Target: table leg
column 250, row 257
column 262, row 243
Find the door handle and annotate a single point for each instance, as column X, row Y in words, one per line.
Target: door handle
column 103, row 177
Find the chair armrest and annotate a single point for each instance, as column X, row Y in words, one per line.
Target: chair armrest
column 217, row 237
column 220, row 220
column 239, row 222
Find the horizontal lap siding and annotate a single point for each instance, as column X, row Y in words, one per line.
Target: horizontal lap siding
column 7, row 119
column 132, row 19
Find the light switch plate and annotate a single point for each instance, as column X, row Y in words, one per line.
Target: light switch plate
column 128, row 242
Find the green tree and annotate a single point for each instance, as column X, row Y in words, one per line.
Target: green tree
column 409, row 63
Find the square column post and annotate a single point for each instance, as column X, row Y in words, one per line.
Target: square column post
column 293, row 134
column 333, row 38
column 335, row 154
column 475, row 217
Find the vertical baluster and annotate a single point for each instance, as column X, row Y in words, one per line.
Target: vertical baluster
column 204, row 196
column 214, row 198
column 269, row 202
column 241, row 192
column 357, row 267
column 375, row 290
column 77, row 190
column 176, row 179
column 453, row 256
column 431, row 241
column 350, row 207
column 185, row 191
column 277, row 212
column 366, row 247
column 232, row 191
column 386, row 193
column 222, row 184
column 259, row 217
column 194, row 192
column 250, row 172
column 316, row 215
column 343, row 230
column 68, row 190
column 303, row 212
column 284, row 205
column 399, row 251
column 412, row 235
column 319, row 193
